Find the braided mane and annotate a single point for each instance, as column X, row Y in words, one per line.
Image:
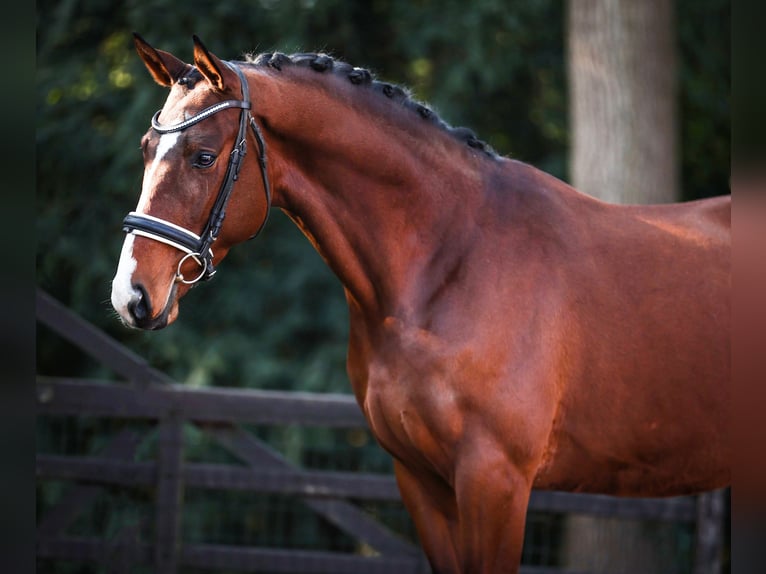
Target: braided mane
column 323, row 63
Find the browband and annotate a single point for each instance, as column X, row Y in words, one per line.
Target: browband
column 203, row 115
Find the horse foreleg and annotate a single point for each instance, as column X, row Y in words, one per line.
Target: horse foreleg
column 492, row 498
column 431, row 504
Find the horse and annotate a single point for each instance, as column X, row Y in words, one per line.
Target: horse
column 507, row 332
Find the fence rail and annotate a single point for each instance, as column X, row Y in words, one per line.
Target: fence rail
column 101, row 399
column 152, row 395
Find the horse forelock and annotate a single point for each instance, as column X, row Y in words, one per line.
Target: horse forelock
column 363, row 78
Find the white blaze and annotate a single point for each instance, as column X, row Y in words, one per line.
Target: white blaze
column 122, row 284
column 122, row 287
column 166, row 143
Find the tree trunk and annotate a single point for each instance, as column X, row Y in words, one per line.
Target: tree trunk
column 622, row 93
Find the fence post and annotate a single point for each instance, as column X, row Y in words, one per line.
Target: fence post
column 709, row 536
column 169, row 492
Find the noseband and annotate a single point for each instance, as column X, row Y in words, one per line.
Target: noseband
column 198, row 247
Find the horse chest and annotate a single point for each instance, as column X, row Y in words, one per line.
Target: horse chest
column 413, row 406
column 432, row 401
column 420, row 427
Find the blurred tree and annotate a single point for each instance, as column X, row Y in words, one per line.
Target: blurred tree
column 622, row 81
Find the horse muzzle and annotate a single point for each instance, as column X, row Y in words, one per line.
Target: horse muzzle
column 136, row 309
column 135, row 301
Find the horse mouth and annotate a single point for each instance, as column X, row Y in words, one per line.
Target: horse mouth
column 163, row 320
column 169, row 312
column 138, row 311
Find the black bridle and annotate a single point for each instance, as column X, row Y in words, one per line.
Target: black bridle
column 198, row 247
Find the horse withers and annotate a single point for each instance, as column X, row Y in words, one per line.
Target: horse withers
column 506, row 331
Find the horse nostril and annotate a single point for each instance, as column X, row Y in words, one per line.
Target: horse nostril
column 139, row 308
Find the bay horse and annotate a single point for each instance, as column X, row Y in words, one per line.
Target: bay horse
column 507, row 332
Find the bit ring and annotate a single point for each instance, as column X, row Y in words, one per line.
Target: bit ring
column 201, row 261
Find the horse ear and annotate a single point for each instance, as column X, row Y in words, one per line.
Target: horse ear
column 164, row 67
column 214, row 70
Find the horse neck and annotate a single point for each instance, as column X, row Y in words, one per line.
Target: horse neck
column 385, row 203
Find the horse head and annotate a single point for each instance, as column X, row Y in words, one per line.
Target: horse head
column 193, row 154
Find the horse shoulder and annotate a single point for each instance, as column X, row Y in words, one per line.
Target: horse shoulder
column 432, row 400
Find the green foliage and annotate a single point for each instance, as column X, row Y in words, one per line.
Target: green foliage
column 704, row 39
column 274, row 316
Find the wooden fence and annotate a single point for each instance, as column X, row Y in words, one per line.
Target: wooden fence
column 152, row 395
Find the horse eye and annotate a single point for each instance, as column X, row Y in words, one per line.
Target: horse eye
column 204, row 159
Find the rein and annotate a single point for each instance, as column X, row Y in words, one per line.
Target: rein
column 199, row 247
